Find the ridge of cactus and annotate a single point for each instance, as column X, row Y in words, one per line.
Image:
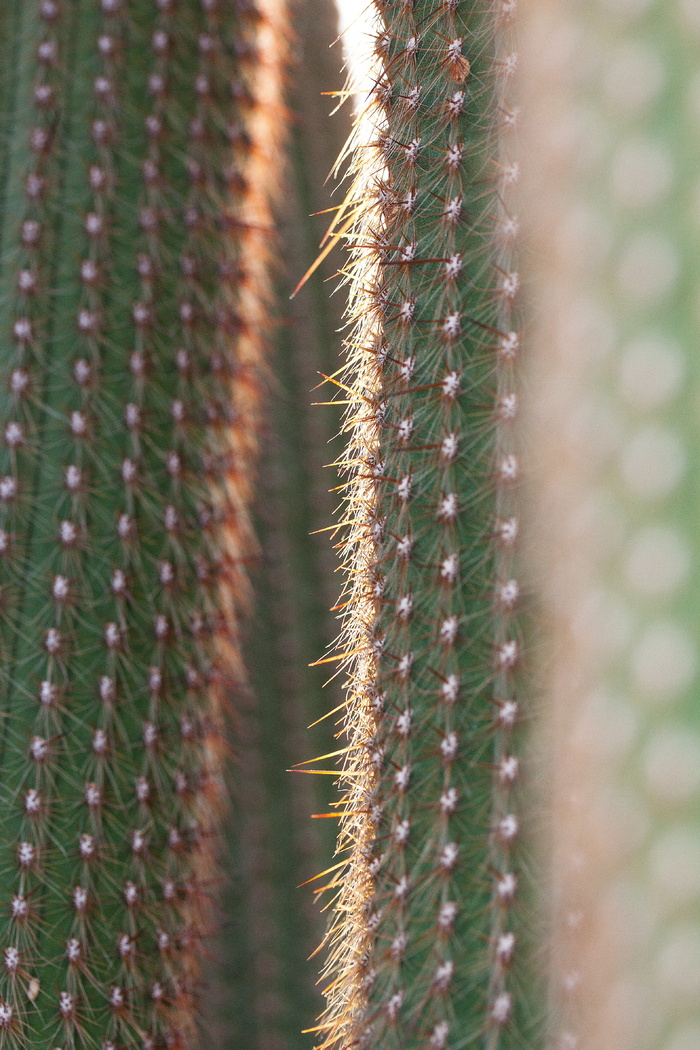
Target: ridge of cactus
column 613, row 150
column 428, row 941
column 123, row 158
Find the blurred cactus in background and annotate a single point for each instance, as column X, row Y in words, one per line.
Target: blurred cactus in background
column 611, row 157
column 267, row 988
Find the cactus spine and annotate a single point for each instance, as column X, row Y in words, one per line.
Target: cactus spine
column 427, row 937
column 125, row 128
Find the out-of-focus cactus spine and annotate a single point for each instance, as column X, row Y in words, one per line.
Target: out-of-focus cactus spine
column 428, row 935
column 268, row 985
column 126, row 322
column 611, row 196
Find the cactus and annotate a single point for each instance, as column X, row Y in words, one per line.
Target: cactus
column 428, row 944
column 611, row 128
column 611, row 109
column 140, row 158
column 130, row 310
column 267, row 983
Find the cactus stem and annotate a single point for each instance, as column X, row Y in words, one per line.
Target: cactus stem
column 427, row 945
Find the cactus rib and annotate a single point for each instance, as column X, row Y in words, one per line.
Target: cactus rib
column 124, row 149
column 427, row 942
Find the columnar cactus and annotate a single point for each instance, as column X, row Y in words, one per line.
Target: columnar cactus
column 611, row 195
column 268, row 987
column 129, row 326
column 428, row 937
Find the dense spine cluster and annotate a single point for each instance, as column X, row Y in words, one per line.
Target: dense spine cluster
column 426, row 944
column 124, row 163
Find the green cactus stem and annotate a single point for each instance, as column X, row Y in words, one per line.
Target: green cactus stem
column 269, row 982
column 613, row 136
column 124, row 148
column 428, row 944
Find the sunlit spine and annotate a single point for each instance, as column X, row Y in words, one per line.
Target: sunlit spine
column 429, row 932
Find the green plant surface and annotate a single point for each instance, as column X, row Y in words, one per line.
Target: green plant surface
column 123, row 532
column 269, row 983
column 428, row 946
column 614, row 426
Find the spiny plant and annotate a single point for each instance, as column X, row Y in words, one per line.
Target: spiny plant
column 613, row 424
column 267, row 988
column 134, row 165
column 429, row 929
